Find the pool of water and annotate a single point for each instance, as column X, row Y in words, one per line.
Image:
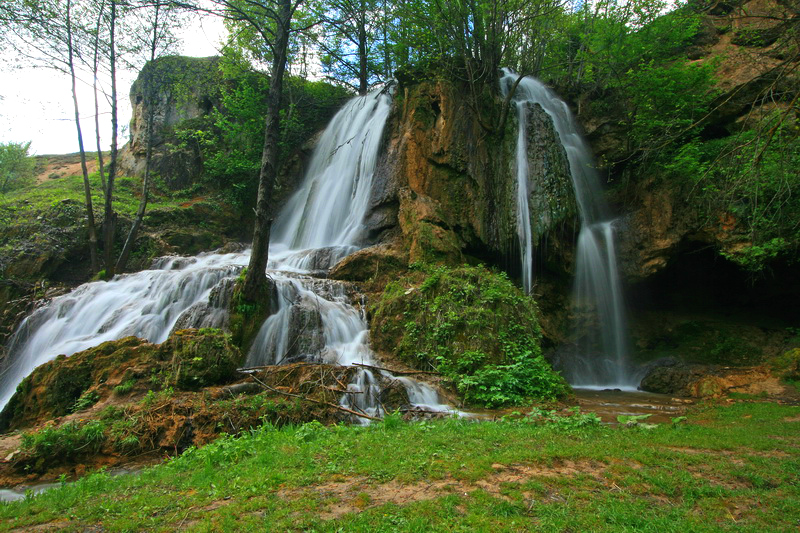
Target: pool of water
column 13, row 494
column 608, row 404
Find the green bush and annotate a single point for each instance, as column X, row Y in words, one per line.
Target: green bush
column 473, row 326
column 16, row 166
column 54, row 445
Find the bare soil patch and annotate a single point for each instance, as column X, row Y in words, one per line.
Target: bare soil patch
column 337, row 498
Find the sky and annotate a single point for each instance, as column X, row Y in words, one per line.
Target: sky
column 36, row 102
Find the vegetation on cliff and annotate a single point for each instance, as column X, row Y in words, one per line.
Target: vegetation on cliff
column 228, row 138
column 474, row 327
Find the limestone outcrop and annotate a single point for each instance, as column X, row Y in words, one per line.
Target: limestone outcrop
column 448, row 185
column 174, row 89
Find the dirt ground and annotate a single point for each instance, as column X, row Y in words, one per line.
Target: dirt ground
column 60, row 166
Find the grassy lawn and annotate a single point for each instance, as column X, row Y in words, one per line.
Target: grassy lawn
column 42, row 196
column 731, row 467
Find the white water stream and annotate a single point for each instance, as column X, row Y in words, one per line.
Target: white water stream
column 313, row 319
column 146, row 304
column 601, row 360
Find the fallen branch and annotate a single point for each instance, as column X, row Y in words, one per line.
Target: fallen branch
column 335, row 406
column 397, row 372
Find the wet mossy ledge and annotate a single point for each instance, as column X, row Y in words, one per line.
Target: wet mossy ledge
column 189, row 360
column 129, row 400
column 474, row 327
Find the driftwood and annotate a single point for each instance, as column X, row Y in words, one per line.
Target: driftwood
column 397, row 372
column 328, row 404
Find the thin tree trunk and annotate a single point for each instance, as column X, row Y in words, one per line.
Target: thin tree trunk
column 137, row 222
column 362, row 50
column 387, row 62
column 255, row 279
column 149, row 95
column 110, row 216
column 95, row 65
column 87, row 189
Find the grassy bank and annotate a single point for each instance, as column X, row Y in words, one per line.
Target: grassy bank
column 726, row 468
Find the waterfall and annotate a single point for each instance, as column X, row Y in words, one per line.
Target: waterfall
column 602, row 358
column 323, row 220
column 313, row 319
column 524, row 232
column 147, row 304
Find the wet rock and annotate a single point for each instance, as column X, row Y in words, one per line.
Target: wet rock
column 393, row 395
column 449, row 189
column 372, row 262
column 306, row 336
column 704, row 381
column 213, row 313
column 551, row 197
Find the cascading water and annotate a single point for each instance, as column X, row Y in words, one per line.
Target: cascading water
column 524, row 232
column 602, row 360
column 313, row 319
column 147, row 304
column 323, row 221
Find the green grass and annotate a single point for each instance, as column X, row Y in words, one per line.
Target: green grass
column 728, row 468
column 43, row 196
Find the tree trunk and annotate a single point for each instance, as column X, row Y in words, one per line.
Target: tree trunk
column 255, row 280
column 110, row 216
column 149, row 95
column 95, row 66
column 87, row 189
column 362, row 50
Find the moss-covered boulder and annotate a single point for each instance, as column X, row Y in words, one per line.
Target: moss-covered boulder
column 189, row 359
column 473, row 326
column 202, row 358
column 248, row 314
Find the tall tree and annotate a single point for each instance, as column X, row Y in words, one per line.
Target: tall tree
column 271, row 24
column 96, row 56
column 351, row 32
column 110, row 215
column 49, row 33
column 156, row 23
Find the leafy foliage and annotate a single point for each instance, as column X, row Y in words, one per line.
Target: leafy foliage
column 574, row 419
column 230, row 139
column 474, row 327
column 16, row 166
column 53, row 444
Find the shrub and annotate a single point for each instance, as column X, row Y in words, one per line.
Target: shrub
column 16, row 166
column 473, row 326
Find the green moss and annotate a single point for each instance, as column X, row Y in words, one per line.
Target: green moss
column 188, row 360
column 788, row 365
column 472, row 325
column 202, row 358
column 246, row 317
column 67, row 386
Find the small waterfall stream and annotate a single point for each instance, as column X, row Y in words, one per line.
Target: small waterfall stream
column 601, row 360
column 313, row 318
column 146, row 304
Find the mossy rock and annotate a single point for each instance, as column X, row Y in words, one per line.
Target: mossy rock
column 246, row 317
column 203, row 357
column 53, row 388
column 472, row 325
column 189, row 359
